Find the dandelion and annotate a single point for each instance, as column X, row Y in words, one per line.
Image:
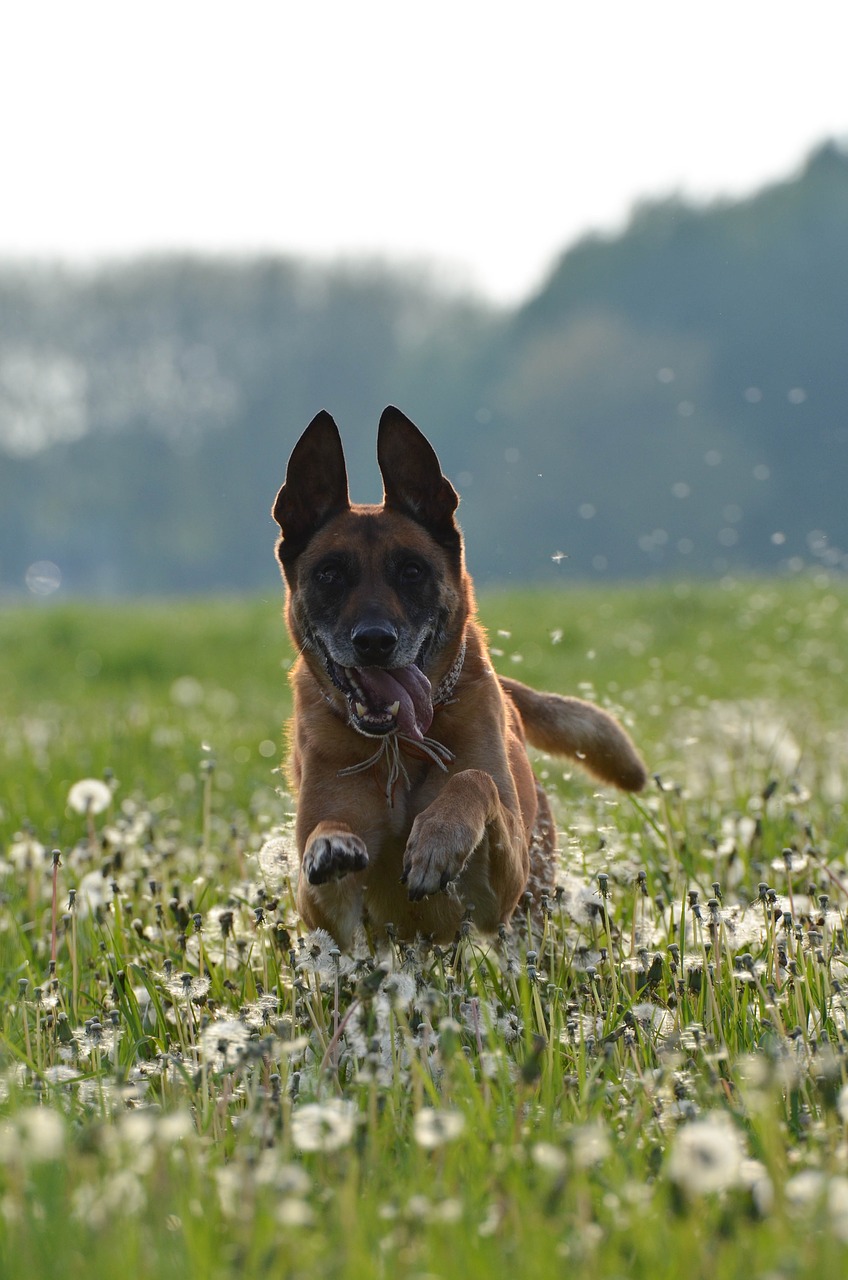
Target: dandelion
column 323, row 1126
column 223, row 1044
column 805, row 1189
column 294, row 1213
column 319, row 954
column 707, row 1156
column 548, row 1157
column 89, row 796
column 278, row 862
column 591, row 1145
column 182, row 986
column 37, row 1135
column 432, row 1128
column 400, row 988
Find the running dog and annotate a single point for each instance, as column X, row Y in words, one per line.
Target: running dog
column 415, row 793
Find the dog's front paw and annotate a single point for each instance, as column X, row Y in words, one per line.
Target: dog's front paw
column 436, row 852
column 334, row 856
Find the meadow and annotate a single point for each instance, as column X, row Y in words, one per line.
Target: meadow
column 651, row 1080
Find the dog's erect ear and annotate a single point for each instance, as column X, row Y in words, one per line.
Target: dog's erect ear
column 412, row 477
column 315, row 487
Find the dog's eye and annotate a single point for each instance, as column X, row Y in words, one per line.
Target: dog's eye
column 330, row 574
column 411, row 571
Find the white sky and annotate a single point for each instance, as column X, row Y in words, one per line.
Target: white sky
column 485, row 135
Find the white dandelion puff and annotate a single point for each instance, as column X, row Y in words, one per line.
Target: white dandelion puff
column 278, row 862
column 323, row 1126
column 89, row 795
column 707, row 1156
column 591, row 1145
column 223, row 1043
column 37, row 1136
column 292, row 1212
column 805, row 1189
column 432, row 1128
column 549, row 1157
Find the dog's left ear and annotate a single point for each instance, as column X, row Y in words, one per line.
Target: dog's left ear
column 413, row 480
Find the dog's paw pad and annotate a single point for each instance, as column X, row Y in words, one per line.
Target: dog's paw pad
column 330, row 858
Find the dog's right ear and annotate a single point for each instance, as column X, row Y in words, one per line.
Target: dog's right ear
column 315, row 487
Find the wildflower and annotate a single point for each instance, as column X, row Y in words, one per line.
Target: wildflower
column 292, row 1212
column 323, row 1126
column 400, row 988
column 805, row 1189
column 283, row 1177
column 37, row 1135
column 548, row 1157
column 707, row 1156
column 90, row 796
column 223, row 1044
column 182, row 986
column 591, row 1145
column 277, row 862
column 95, row 1038
column 318, row 953
column 432, row 1128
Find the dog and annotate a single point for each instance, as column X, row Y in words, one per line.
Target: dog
column 416, row 800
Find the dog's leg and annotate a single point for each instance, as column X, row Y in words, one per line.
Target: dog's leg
column 467, row 818
column 580, row 730
column 329, row 890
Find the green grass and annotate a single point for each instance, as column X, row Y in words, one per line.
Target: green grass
column 653, row 1083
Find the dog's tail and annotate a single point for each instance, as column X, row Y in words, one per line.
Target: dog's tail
column 579, row 730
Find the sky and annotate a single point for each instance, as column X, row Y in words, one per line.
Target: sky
column 481, row 137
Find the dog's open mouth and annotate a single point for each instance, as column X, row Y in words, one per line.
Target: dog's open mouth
column 382, row 700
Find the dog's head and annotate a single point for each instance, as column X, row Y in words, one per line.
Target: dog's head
column 377, row 594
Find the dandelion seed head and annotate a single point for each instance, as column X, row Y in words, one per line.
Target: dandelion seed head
column 432, row 1128
column 89, row 795
column 706, row 1156
column 185, row 986
column 223, row 1043
column 548, row 1157
column 805, row 1189
column 292, row 1212
column 323, row 1126
column 278, row 862
column 590, row 1145
column 35, row 1135
column 400, row 988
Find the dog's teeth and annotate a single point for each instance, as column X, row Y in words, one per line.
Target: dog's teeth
column 393, row 709
column 361, row 710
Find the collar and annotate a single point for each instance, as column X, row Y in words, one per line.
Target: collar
column 446, row 686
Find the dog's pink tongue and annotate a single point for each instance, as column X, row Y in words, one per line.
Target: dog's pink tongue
column 405, row 685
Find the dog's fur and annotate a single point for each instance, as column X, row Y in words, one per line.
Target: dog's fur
column 394, row 825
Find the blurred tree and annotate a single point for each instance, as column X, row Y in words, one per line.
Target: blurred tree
column 672, row 400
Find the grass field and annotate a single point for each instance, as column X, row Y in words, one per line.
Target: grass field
column 652, row 1084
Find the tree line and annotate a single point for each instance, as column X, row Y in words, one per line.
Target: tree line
column 672, row 400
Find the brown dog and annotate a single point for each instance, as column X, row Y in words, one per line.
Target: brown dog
column 415, row 793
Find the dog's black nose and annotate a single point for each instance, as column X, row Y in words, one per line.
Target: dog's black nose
column 374, row 641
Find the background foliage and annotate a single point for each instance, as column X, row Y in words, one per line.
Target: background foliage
column 672, row 399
